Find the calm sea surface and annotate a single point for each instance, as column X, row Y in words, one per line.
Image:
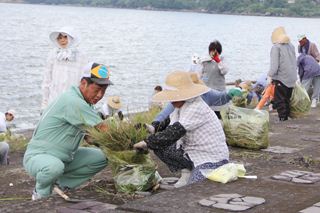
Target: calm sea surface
column 140, row 46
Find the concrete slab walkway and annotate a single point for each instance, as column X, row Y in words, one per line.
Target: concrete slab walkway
column 297, row 148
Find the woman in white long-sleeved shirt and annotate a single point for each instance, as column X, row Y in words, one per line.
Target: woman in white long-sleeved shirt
column 64, row 65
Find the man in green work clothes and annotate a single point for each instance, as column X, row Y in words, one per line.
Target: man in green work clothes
column 53, row 155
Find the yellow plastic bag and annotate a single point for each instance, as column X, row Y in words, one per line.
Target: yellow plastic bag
column 226, row 173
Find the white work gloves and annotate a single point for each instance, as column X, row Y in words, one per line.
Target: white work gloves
column 142, row 145
column 150, row 128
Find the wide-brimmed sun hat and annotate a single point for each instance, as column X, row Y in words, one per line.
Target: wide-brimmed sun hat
column 279, row 36
column 114, row 102
column 69, row 31
column 195, row 78
column 179, row 87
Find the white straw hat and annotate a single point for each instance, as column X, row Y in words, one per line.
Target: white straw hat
column 114, row 102
column 180, row 87
column 279, row 36
column 69, row 31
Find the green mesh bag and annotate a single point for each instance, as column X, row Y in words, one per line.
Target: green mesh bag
column 299, row 102
column 247, row 128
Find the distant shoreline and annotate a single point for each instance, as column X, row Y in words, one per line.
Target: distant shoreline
column 162, row 9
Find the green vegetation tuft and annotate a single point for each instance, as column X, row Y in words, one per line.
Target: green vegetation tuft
column 16, row 142
column 304, row 8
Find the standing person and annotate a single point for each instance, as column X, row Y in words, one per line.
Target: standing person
column 309, row 74
column 4, row 146
column 282, row 71
column 307, row 47
column 53, row 155
column 194, row 140
column 63, row 67
column 214, row 70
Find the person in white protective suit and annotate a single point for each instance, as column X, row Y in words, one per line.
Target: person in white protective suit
column 64, row 65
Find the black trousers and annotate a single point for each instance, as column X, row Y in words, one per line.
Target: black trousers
column 174, row 158
column 282, row 95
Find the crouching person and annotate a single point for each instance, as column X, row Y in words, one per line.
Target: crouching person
column 194, row 138
column 4, row 146
column 53, row 155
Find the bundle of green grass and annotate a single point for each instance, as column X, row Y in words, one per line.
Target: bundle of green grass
column 132, row 171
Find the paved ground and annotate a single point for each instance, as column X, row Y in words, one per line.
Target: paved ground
column 298, row 139
column 302, row 135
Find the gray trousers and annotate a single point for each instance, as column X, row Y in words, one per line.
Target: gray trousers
column 4, row 150
column 315, row 82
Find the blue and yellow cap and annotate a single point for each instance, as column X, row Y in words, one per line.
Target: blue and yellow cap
column 98, row 73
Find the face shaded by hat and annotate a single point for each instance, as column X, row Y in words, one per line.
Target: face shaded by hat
column 98, row 73
column 301, row 37
column 279, row 36
column 114, row 102
column 180, row 87
column 73, row 40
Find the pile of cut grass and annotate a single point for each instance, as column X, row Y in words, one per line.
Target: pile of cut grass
column 122, row 135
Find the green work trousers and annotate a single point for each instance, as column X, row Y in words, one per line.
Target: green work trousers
column 49, row 170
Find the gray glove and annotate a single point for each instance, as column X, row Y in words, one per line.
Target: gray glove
column 142, row 145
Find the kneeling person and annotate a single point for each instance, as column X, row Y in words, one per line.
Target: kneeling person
column 53, row 155
column 194, row 140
